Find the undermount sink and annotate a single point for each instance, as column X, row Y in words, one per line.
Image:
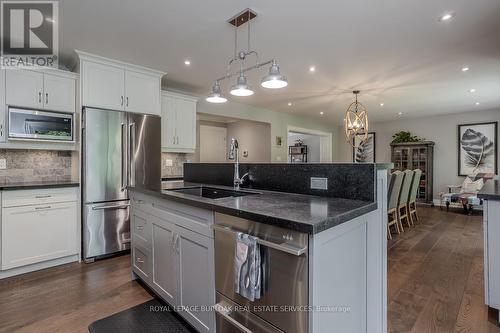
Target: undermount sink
column 211, row 192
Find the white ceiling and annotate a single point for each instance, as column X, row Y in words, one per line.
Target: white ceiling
column 395, row 51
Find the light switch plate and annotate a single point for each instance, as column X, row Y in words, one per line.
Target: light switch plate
column 318, row 183
column 3, row 163
column 169, row 163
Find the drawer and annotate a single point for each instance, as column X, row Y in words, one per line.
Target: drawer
column 141, row 262
column 141, row 225
column 140, row 201
column 15, row 198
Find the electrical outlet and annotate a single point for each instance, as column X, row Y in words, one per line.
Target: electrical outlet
column 318, row 183
column 3, row 163
column 169, row 163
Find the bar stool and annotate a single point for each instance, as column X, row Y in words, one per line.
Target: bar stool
column 392, row 204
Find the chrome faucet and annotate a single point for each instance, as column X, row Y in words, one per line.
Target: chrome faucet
column 234, row 155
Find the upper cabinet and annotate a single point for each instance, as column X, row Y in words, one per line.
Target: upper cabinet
column 115, row 85
column 41, row 89
column 178, row 117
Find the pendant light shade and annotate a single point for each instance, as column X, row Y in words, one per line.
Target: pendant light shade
column 241, row 88
column 274, row 80
column 356, row 122
column 216, row 95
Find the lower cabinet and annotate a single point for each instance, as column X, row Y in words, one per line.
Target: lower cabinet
column 177, row 262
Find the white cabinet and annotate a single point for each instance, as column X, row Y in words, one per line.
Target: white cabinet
column 37, row 226
column 164, row 261
column 178, row 123
column 3, row 112
column 24, row 88
column 178, row 261
column 142, row 92
column 115, row 85
column 41, row 89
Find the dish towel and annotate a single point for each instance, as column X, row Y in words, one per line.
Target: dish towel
column 247, row 267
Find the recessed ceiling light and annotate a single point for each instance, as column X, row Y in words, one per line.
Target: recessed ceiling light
column 321, row 113
column 477, row 103
column 400, row 113
column 312, row 69
column 472, row 90
column 289, row 103
column 465, row 69
column 446, row 17
column 187, row 62
column 381, row 104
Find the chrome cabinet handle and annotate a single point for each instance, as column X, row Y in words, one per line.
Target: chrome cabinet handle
column 221, row 309
column 127, row 101
column 139, row 227
column 172, row 242
column 173, row 139
column 1, row 130
column 139, row 260
column 42, row 196
column 121, row 100
column 46, row 98
column 284, row 247
column 40, row 97
column 44, row 207
column 177, row 243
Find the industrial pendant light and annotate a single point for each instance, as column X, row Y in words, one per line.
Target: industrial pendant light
column 241, row 88
column 273, row 80
column 356, row 122
column 216, row 95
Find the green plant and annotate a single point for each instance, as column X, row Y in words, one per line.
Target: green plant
column 405, row 136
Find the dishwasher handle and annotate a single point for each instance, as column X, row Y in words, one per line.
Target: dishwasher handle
column 224, row 312
column 284, row 247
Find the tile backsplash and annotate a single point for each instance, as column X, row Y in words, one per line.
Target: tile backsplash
column 177, row 168
column 35, row 165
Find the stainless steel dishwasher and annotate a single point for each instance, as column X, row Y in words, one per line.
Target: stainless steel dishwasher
column 284, row 301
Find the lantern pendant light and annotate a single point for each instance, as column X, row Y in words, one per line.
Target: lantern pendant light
column 356, row 122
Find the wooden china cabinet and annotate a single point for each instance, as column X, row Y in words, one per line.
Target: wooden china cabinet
column 416, row 155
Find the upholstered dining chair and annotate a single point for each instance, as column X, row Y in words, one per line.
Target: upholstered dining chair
column 412, row 202
column 392, row 203
column 403, row 199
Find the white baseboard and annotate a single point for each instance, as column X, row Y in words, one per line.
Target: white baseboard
column 38, row 266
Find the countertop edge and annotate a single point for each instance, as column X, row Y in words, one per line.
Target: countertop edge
column 271, row 220
column 13, row 187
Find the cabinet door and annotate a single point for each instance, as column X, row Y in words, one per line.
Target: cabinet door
column 196, row 279
column 142, row 93
column 59, row 93
column 24, row 88
column 164, row 261
column 3, row 110
column 103, row 86
column 168, row 122
column 32, row 234
column 186, row 123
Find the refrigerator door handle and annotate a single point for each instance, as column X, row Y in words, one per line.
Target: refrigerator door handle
column 122, row 206
column 131, row 160
column 124, row 158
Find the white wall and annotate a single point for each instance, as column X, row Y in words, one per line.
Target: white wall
column 443, row 130
column 253, row 137
column 279, row 122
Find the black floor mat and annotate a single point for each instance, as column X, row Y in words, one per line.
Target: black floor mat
column 149, row 317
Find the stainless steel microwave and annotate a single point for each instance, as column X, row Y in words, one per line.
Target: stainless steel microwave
column 25, row 124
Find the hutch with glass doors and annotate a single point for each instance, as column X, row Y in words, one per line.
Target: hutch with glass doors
column 416, row 155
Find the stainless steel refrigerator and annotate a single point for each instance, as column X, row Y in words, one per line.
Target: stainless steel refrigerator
column 120, row 149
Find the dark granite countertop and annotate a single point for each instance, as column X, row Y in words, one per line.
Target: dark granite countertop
column 490, row 190
column 39, row 184
column 304, row 213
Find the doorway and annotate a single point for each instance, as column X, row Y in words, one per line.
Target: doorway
column 213, row 144
column 309, row 146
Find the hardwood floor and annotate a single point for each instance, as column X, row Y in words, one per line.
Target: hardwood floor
column 435, row 285
column 68, row 298
column 435, row 274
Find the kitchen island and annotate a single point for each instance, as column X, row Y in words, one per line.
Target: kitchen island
column 323, row 246
column 490, row 194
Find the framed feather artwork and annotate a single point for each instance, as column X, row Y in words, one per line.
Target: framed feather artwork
column 477, row 148
column 365, row 152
